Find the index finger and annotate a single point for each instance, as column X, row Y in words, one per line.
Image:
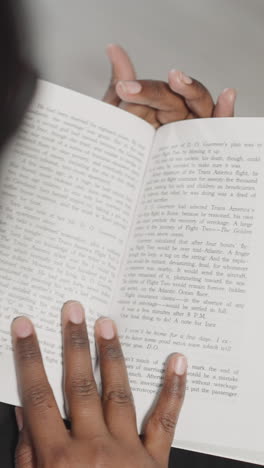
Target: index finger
column 122, row 69
column 41, row 412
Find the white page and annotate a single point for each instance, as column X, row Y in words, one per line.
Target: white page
column 68, row 187
column 192, row 282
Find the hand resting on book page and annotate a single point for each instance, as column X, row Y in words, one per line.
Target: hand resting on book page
column 103, row 430
column 158, row 102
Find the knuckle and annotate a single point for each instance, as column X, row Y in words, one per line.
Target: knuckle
column 119, row 396
column 27, row 350
column 83, row 387
column 38, row 394
column 100, row 453
column 111, row 351
column 163, row 117
column 58, row 457
column 165, row 421
column 199, row 91
column 78, row 337
column 157, row 89
column 23, row 456
column 175, row 389
column 168, row 423
column 150, row 115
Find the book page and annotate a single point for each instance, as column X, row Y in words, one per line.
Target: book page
column 192, row 282
column 69, row 183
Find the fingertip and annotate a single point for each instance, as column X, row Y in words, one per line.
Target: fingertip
column 110, row 45
column 112, row 52
column 111, row 48
column 73, row 311
column 225, row 105
column 179, row 78
column 22, row 327
column 178, row 364
column 109, row 52
column 229, row 94
column 122, row 67
column 105, row 327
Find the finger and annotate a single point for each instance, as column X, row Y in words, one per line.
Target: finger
column 24, row 456
column 168, row 117
column 155, row 94
column 197, row 97
column 122, row 69
column 144, row 112
column 83, row 400
column 150, row 115
column 225, row 106
column 160, row 427
column 117, row 398
column 40, row 409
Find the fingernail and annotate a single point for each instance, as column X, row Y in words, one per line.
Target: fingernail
column 105, row 328
column 180, row 364
column 181, row 77
column 230, row 93
column 22, row 327
column 19, row 418
column 73, row 312
column 130, row 87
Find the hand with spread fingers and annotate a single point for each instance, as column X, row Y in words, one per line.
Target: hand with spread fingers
column 103, row 429
column 158, row 102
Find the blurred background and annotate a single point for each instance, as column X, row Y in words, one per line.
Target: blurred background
column 219, row 42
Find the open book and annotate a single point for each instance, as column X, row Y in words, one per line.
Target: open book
column 161, row 230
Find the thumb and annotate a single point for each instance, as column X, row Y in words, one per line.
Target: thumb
column 122, row 69
column 24, row 451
